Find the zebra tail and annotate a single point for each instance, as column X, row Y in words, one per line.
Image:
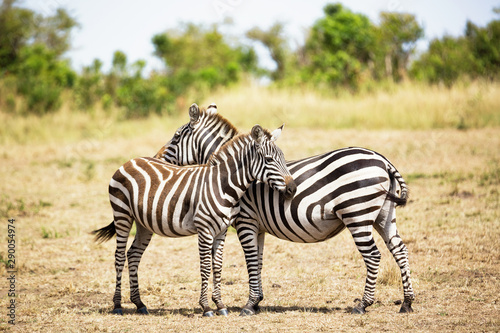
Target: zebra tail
column 104, row 234
column 399, row 201
column 391, row 195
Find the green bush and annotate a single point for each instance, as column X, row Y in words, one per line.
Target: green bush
column 89, row 89
column 41, row 78
column 338, row 47
column 140, row 97
column 197, row 58
column 448, row 59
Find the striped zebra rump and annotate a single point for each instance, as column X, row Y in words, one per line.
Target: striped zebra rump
column 158, row 196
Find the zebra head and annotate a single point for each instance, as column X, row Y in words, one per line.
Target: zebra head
column 196, row 141
column 270, row 165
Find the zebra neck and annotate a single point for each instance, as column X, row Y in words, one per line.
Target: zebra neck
column 211, row 145
column 231, row 174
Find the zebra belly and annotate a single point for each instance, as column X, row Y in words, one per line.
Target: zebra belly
column 296, row 220
column 166, row 221
column 304, row 231
column 333, row 190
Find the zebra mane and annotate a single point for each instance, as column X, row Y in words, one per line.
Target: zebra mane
column 217, row 118
column 238, row 140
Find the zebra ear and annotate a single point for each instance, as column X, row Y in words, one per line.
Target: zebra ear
column 258, row 134
column 194, row 114
column 212, row 109
column 276, row 133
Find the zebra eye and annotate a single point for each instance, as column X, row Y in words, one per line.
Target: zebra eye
column 269, row 159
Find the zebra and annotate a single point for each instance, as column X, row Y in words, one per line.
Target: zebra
column 350, row 187
column 175, row 201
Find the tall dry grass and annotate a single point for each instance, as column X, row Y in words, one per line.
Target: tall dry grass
column 69, row 125
column 409, row 106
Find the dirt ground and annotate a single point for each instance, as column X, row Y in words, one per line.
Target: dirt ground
column 64, row 281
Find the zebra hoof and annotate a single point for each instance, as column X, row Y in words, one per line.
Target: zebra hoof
column 118, row 311
column 406, row 308
column 208, row 314
column 358, row 310
column 143, row 311
column 246, row 312
column 222, row 312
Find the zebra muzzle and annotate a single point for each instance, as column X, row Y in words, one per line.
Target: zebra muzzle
column 290, row 189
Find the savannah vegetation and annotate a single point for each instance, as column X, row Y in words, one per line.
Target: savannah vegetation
column 343, row 53
column 437, row 121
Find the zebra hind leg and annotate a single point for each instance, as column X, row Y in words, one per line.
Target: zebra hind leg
column 134, row 255
column 217, row 253
column 123, row 227
column 365, row 243
column 386, row 227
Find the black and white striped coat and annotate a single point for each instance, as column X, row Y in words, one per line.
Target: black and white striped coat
column 351, row 187
column 176, row 201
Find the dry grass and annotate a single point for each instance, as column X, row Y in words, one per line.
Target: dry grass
column 407, row 107
column 410, row 106
column 57, row 191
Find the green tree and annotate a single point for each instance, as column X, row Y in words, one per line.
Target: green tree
column 196, row 57
column 141, row 97
column 476, row 54
column 124, row 86
column 337, row 50
column 55, row 31
column 16, row 29
column 41, row 78
column 396, row 41
column 89, row 89
column 22, row 27
column 276, row 42
column 119, row 63
column 484, row 44
column 31, row 47
column 446, row 60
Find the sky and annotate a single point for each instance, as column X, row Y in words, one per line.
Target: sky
column 129, row 25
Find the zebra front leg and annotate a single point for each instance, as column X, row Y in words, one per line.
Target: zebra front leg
column 205, row 243
column 123, row 227
column 247, row 234
column 217, row 254
column 366, row 246
column 260, row 242
column 134, row 255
